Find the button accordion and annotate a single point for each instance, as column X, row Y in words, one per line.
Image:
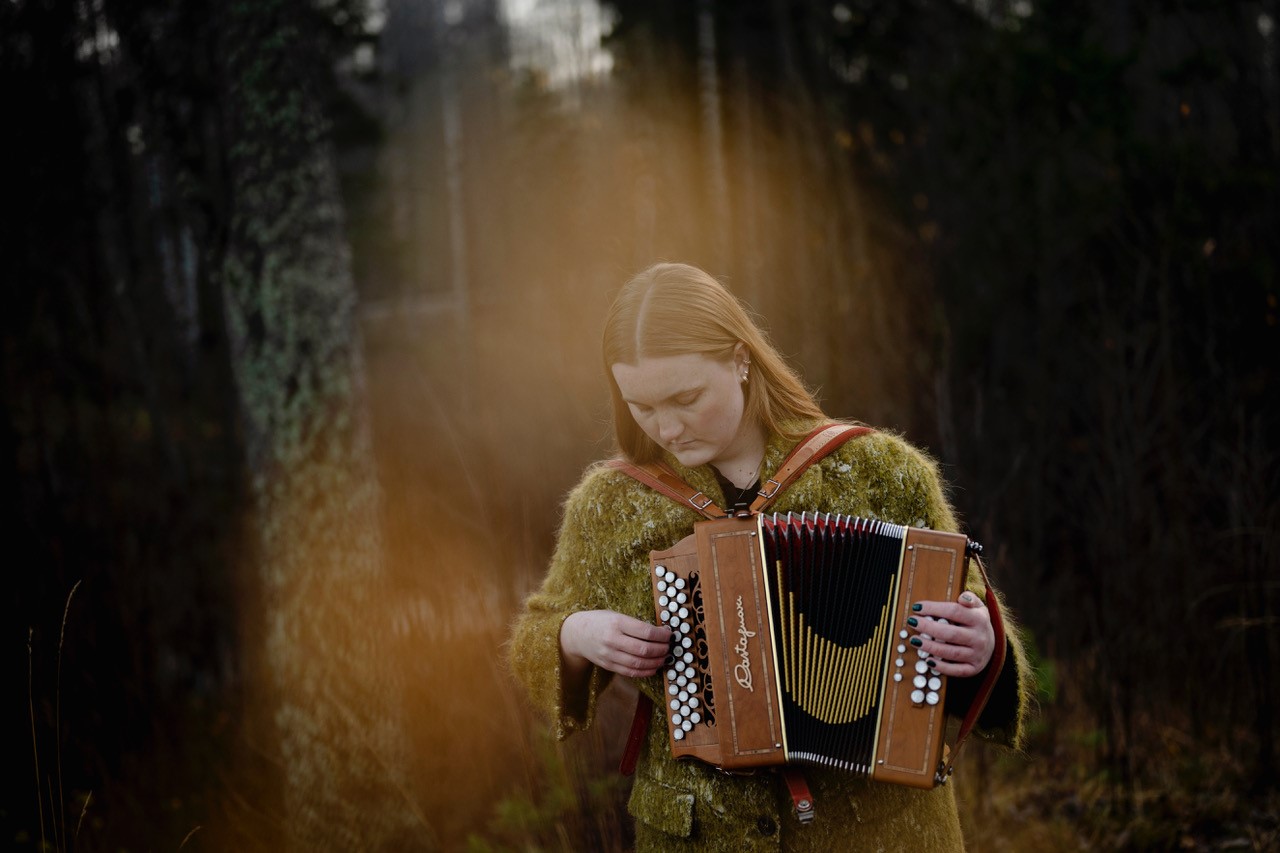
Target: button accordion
column 790, row 643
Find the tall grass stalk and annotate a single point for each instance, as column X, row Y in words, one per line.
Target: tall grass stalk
column 35, row 743
column 57, row 718
column 57, row 799
column 83, row 811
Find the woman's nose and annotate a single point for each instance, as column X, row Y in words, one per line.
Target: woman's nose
column 669, row 427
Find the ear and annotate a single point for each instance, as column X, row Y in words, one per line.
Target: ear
column 741, row 356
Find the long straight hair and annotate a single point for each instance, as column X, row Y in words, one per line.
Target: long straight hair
column 677, row 309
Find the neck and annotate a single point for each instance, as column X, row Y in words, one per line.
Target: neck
column 742, row 463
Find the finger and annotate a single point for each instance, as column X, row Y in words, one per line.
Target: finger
column 644, row 648
column 970, row 650
column 955, row 670
column 927, row 627
column 631, row 665
column 952, row 611
column 647, row 660
column 969, row 599
column 646, row 632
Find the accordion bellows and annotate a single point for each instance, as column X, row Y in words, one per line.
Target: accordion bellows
column 790, row 643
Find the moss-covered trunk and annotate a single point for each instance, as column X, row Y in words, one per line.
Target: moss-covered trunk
column 328, row 688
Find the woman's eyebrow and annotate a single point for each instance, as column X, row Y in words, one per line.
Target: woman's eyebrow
column 689, row 390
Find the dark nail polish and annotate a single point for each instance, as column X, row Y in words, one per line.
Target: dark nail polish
column 931, row 662
column 916, row 641
column 911, row 620
column 917, row 607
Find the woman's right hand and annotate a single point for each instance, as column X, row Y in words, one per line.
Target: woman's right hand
column 613, row 641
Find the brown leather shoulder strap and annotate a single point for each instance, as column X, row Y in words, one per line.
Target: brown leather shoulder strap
column 659, row 477
column 817, row 444
column 814, row 447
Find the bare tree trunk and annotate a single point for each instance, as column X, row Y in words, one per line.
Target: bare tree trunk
column 296, row 357
column 451, row 120
column 747, row 253
column 712, row 135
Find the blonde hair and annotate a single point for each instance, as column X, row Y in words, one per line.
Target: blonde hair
column 677, row 309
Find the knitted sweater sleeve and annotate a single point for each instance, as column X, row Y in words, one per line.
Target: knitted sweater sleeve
column 576, row 580
column 1003, row 720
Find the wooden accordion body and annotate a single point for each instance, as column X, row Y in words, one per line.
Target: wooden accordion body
column 790, row 643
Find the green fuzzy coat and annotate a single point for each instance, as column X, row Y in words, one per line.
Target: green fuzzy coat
column 601, row 561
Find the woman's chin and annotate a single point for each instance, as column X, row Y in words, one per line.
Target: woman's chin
column 691, row 457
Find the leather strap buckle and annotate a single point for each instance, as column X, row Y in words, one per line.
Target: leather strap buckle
column 770, row 489
column 693, row 499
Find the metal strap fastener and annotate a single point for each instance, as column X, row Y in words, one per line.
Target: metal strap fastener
column 768, row 492
column 693, row 499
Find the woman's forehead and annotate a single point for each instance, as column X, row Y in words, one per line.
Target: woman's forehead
column 652, row 379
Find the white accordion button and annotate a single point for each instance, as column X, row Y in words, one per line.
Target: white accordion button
column 693, row 687
column 903, row 633
column 931, row 698
column 662, row 599
column 672, row 690
column 673, row 607
column 684, row 697
column 917, row 696
column 921, row 666
column 684, row 628
column 899, row 663
column 678, row 734
column 671, row 675
column 670, row 577
column 682, row 681
column 679, row 583
column 686, row 641
column 897, row 676
column 687, row 726
column 681, row 597
column 676, row 719
column 695, row 717
column 675, row 704
column 693, row 700
column 687, row 657
column 660, row 571
column 902, row 650
column 662, row 585
column 935, row 683
column 919, row 681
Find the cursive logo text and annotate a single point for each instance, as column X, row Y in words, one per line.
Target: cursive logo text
column 742, row 672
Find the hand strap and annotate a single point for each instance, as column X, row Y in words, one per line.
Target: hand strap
column 994, row 666
column 639, row 726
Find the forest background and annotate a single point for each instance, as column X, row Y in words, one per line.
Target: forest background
column 300, row 329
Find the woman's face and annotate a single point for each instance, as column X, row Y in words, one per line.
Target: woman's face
column 691, row 405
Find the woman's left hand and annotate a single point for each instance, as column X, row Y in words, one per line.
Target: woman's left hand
column 962, row 645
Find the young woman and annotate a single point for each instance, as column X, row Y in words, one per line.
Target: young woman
column 697, row 384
